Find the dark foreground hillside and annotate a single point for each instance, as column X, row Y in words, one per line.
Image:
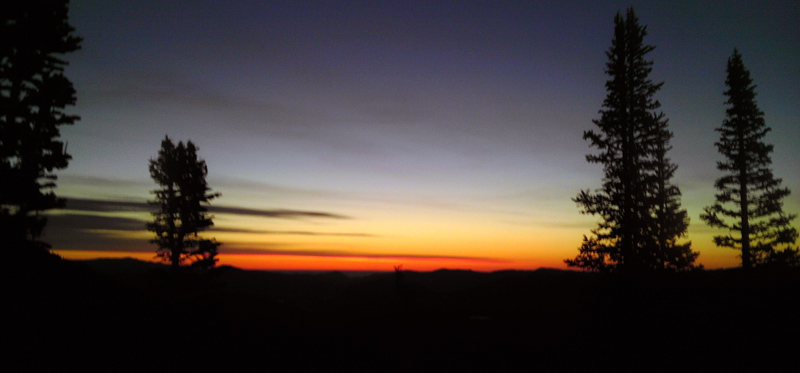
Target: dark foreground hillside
column 125, row 315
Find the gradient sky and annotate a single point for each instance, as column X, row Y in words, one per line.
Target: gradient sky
column 360, row 135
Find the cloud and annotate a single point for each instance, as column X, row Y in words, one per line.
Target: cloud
column 95, row 233
column 259, row 187
column 87, row 180
column 96, row 205
column 85, row 224
column 94, row 222
column 292, row 233
column 279, row 213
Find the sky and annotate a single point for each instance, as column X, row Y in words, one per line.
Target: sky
column 362, row 135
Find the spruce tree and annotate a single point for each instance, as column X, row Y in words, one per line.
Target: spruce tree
column 33, row 95
column 639, row 207
column 181, row 214
column 749, row 202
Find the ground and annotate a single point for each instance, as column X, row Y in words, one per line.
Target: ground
column 131, row 315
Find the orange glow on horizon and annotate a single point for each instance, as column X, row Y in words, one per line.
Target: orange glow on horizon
column 323, row 263
column 357, row 263
column 715, row 259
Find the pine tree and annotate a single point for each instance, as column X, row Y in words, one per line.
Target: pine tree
column 639, row 206
column 33, row 95
column 757, row 224
column 181, row 215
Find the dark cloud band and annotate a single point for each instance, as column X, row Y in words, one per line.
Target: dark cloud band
column 291, row 233
column 96, row 205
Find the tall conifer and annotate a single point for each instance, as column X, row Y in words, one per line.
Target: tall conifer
column 640, row 208
column 749, row 195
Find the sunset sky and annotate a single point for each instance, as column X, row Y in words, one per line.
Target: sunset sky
column 360, row 135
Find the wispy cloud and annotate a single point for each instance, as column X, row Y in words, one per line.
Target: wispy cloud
column 271, row 189
column 279, row 213
column 96, row 205
column 99, row 205
column 292, row 233
column 84, row 222
column 87, row 180
column 95, row 224
column 95, row 233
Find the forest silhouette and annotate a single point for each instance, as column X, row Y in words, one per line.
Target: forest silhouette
column 640, row 303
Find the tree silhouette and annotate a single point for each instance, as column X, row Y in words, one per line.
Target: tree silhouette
column 640, row 208
column 33, row 95
column 181, row 215
column 748, row 187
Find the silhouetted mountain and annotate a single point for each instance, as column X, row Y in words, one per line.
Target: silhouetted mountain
column 122, row 266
